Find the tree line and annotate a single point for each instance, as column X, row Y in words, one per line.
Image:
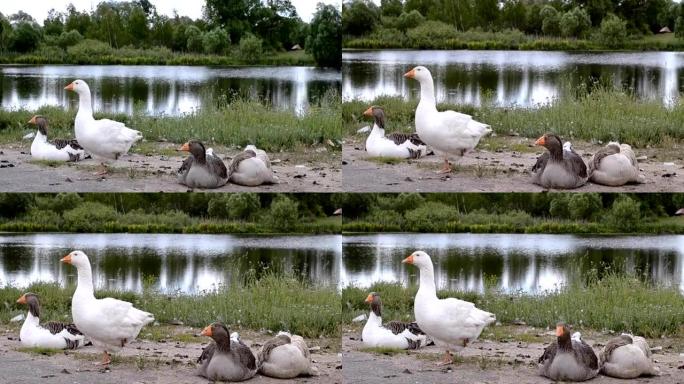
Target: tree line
column 255, row 26
column 611, row 21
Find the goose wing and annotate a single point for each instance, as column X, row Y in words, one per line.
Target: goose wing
column 235, row 164
column 584, row 354
column 600, row 155
column 612, row 345
column 217, row 166
column 575, row 164
column 207, row 353
column 271, row 345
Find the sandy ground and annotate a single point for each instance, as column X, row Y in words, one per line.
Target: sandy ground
column 141, row 362
column 493, row 167
column 485, row 361
column 314, row 171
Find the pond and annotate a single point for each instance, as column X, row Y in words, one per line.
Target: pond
column 179, row 263
column 511, row 78
column 527, row 263
column 168, row 90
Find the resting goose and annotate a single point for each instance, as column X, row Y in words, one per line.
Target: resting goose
column 447, row 132
column 615, row 165
column 56, row 150
column 450, row 323
column 286, row 356
column 53, row 335
column 627, row 357
column 544, row 158
column 394, row 334
column 226, row 359
column 568, row 359
column 109, row 323
column 562, row 169
column 252, row 168
column 202, row 169
column 104, row 139
column 396, row 145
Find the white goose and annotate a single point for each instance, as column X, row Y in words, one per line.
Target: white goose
column 53, row 335
column 627, row 357
column 56, row 150
column 104, row 139
column 286, row 356
column 394, row 334
column 615, row 165
column 447, row 132
column 252, row 168
column 450, row 323
column 396, row 145
column 109, row 323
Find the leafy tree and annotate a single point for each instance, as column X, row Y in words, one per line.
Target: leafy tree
column 235, row 16
column 54, row 23
column 359, row 17
column 514, row 14
column 487, row 12
column 325, row 39
column 560, row 206
column 76, row 20
column 409, row 20
column 6, row 33
column 284, row 213
column 68, row 39
column 533, row 19
column 27, row 36
column 574, row 23
column 613, row 31
column 584, row 206
column 193, row 37
column 137, row 24
column 22, row 17
column 550, row 21
column 392, row 8
column 243, row 205
column 216, row 41
column 15, row 204
column 625, row 213
column 251, row 48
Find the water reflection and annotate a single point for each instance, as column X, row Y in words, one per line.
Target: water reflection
column 156, row 90
column 186, row 263
column 530, row 263
column 520, row 78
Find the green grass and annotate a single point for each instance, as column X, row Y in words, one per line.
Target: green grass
column 40, row 351
column 385, row 160
column 615, row 303
column 384, row 351
column 229, row 123
column 601, row 114
column 271, row 303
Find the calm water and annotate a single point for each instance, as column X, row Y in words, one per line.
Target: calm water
column 530, row 263
column 185, row 263
column 511, row 78
column 170, row 90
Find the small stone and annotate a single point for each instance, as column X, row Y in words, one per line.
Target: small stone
column 17, row 318
column 66, row 372
column 407, row 371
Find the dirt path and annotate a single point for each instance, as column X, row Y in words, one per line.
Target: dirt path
column 500, row 164
column 314, row 171
column 142, row 362
column 486, row 361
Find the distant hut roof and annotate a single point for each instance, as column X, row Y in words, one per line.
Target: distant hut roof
column 297, row 47
column 665, row 30
column 339, row 212
column 680, row 212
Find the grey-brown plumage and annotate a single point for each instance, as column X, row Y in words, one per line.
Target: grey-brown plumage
column 406, row 335
column 66, row 331
column 240, row 157
column 225, row 359
column 559, row 169
column 280, row 339
column 606, row 151
column 627, row 357
column 41, row 123
column 612, row 345
column 400, row 138
column 201, row 169
column 568, row 359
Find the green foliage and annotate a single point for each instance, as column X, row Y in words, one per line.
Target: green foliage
column 430, row 34
column 625, row 213
column 193, row 38
column 359, row 17
column 583, row 206
column 410, row 20
column 550, row 20
column 560, row 206
column 613, row 31
column 430, row 216
column 216, row 41
column 575, row 23
column 87, row 50
column 13, row 205
column 88, row 216
column 325, row 39
column 284, row 213
column 251, row 48
column 68, row 39
column 243, row 206
column 63, row 202
column 26, row 37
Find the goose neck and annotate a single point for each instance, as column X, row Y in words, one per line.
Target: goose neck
column 374, row 319
column 377, row 131
column 427, row 280
column 85, row 281
column 85, row 104
column 427, row 92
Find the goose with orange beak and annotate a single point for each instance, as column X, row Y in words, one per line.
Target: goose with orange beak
column 109, row 323
column 568, row 358
column 394, row 334
column 451, row 323
column 396, row 145
column 52, row 335
column 55, row 150
column 448, row 133
column 106, row 140
column 202, row 168
column 560, row 168
column 226, row 359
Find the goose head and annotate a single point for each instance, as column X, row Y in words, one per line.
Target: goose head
column 76, row 258
column 419, row 73
column 40, row 122
column 563, row 334
column 219, row 333
column 79, row 86
column 551, row 142
column 251, row 147
column 420, row 259
column 373, row 299
column 30, row 299
column 378, row 115
column 195, row 148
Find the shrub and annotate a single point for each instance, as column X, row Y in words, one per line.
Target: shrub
column 243, row 205
column 325, row 37
column 625, row 213
column 584, row 205
column 559, row 206
column 409, row 20
column 88, row 217
column 69, row 39
column 218, row 207
column 613, row 31
column 215, row 41
column 193, row 39
column 431, row 34
column 407, row 201
column 251, row 48
column 27, row 36
column 88, row 51
column 551, row 20
column 43, row 218
column 65, row 201
column 430, row 217
column 386, row 219
column 15, row 204
column 284, row 213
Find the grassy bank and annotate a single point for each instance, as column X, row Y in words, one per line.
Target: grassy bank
column 234, row 122
column 643, row 309
column 506, row 40
column 271, row 303
column 155, row 56
column 601, row 114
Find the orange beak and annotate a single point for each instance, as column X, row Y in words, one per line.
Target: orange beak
column 369, row 112
column 185, row 147
column 559, row 330
column 408, row 260
column 206, row 331
column 69, row 87
column 66, row 259
column 33, row 120
column 540, row 141
column 410, row 74
column 21, row 300
column 369, row 299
